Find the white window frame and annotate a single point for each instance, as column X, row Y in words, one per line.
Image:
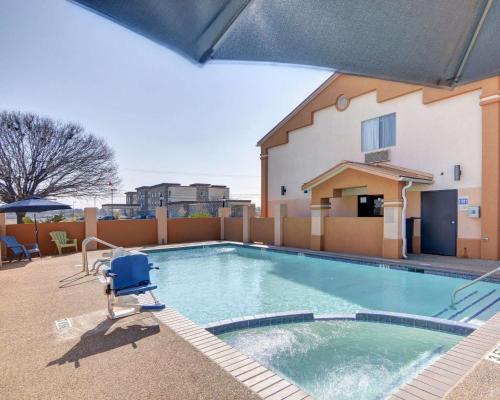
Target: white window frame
column 376, row 139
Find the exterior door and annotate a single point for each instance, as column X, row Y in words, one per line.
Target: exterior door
column 439, row 222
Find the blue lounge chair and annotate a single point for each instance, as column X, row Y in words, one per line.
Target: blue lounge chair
column 129, row 275
column 18, row 250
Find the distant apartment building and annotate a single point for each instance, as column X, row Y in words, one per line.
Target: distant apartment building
column 182, row 201
column 149, row 197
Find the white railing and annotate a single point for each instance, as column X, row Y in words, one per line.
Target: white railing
column 454, row 294
column 86, row 241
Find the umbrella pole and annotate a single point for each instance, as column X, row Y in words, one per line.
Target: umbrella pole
column 36, row 236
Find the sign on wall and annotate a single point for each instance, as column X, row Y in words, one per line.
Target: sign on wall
column 463, row 203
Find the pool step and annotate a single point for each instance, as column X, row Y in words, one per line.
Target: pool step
column 474, row 307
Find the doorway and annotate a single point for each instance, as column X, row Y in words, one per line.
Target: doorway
column 439, row 222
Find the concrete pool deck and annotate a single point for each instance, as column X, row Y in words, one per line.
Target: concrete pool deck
column 95, row 358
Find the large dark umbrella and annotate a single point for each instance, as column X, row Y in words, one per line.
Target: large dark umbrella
column 34, row 205
column 429, row 42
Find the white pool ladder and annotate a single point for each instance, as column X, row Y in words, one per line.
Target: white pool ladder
column 86, row 241
column 459, row 289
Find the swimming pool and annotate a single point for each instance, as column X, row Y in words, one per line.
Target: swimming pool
column 213, row 283
column 343, row 360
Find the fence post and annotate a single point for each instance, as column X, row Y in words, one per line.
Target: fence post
column 161, row 224
column 224, row 212
column 280, row 212
column 248, row 214
column 393, row 239
column 90, row 216
column 318, row 214
column 3, row 232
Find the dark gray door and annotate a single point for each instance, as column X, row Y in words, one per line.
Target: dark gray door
column 439, row 222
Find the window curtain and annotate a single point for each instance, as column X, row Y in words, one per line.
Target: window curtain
column 387, row 130
column 370, row 137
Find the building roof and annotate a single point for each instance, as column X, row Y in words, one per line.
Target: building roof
column 297, row 109
column 388, row 171
column 165, row 184
column 351, row 87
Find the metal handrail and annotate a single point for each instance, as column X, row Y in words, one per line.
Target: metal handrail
column 86, row 241
column 454, row 294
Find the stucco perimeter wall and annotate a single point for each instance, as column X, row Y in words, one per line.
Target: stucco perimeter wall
column 262, row 230
column 127, row 233
column 25, row 233
column 354, row 235
column 233, row 229
column 297, row 232
column 183, row 230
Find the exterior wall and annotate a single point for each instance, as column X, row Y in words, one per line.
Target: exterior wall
column 262, row 230
column 181, row 193
column 128, row 233
column 25, row 233
column 354, row 235
column 435, row 130
column 431, row 137
column 233, row 229
column 218, row 193
column 297, row 232
column 346, row 206
column 143, row 198
column 131, row 197
column 183, row 230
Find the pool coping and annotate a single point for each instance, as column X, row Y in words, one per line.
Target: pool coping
column 263, row 382
column 434, row 382
column 399, row 264
column 385, row 317
column 440, row 377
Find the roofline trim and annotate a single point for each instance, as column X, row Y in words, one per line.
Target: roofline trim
column 297, row 109
column 341, row 167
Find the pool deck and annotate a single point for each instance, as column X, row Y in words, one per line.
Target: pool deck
column 95, row 358
column 165, row 356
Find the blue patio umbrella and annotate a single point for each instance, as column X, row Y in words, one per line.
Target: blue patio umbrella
column 34, row 205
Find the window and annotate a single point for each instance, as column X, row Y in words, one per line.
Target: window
column 370, row 206
column 377, row 133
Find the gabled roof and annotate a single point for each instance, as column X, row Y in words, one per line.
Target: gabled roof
column 297, row 109
column 351, row 87
column 388, row 171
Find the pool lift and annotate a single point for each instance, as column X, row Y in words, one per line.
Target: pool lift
column 127, row 276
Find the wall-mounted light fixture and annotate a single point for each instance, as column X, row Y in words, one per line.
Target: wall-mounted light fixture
column 457, row 172
column 283, row 190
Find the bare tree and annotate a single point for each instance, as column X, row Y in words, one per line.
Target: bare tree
column 43, row 157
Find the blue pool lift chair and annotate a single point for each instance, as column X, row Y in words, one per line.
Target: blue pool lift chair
column 19, row 251
column 128, row 275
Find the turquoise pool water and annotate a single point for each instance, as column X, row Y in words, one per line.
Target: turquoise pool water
column 213, row 283
column 343, row 360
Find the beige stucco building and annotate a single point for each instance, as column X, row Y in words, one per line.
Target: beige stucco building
column 434, row 151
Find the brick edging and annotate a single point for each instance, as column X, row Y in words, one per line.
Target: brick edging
column 260, row 380
column 439, row 378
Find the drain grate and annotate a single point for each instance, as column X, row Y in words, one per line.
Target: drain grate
column 63, row 323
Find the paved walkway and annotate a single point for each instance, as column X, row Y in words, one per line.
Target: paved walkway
column 95, row 358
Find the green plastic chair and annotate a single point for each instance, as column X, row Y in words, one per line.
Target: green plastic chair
column 60, row 238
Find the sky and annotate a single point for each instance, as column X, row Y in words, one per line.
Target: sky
column 167, row 118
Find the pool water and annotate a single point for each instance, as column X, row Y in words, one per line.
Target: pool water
column 343, row 360
column 213, row 283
